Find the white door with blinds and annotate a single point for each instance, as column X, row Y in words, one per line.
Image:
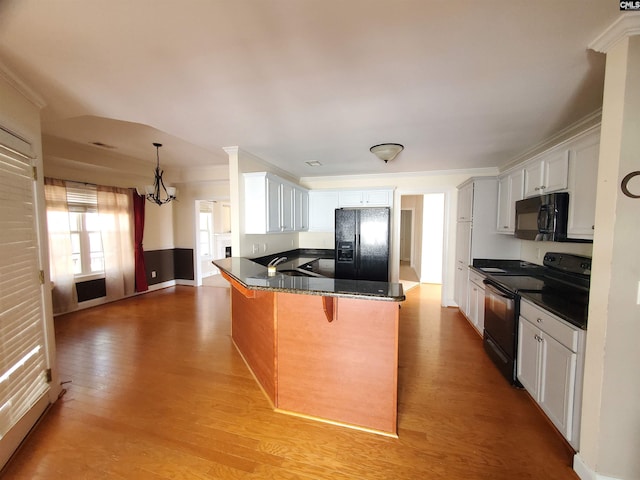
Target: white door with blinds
column 23, row 356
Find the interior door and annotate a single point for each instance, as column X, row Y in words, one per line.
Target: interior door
column 23, row 347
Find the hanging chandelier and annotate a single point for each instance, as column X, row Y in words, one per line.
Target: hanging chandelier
column 158, row 193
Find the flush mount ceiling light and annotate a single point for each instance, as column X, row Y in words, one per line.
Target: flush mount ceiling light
column 158, row 193
column 386, row 151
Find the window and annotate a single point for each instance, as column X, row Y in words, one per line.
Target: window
column 84, row 227
column 206, row 228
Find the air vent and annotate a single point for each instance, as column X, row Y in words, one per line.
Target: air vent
column 314, row 163
column 103, row 145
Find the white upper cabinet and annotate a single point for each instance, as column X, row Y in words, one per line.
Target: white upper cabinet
column 510, row 190
column 583, row 176
column 286, row 202
column 322, row 207
column 548, row 173
column 465, row 203
column 300, row 209
column 273, row 204
column 272, row 207
column 323, row 203
column 570, row 167
column 365, row 198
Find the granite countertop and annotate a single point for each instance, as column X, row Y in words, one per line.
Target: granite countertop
column 571, row 305
column 254, row 276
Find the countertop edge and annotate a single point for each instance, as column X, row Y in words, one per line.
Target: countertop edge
column 221, row 264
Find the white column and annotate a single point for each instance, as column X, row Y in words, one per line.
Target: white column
column 610, row 433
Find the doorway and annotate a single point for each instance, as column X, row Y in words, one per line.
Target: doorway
column 213, row 240
column 421, row 239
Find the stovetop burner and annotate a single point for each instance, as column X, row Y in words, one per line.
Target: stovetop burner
column 561, row 285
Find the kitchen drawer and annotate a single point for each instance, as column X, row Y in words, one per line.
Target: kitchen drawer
column 476, row 277
column 564, row 333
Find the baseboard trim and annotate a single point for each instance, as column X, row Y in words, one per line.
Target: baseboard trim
column 161, row 285
column 585, row 472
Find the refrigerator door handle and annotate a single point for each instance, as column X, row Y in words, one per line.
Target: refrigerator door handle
column 357, row 252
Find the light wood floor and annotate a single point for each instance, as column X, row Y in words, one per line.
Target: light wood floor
column 408, row 276
column 159, row 392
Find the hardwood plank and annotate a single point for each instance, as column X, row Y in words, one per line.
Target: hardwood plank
column 159, row 392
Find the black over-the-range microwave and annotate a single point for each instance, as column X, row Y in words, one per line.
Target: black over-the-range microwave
column 544, row 218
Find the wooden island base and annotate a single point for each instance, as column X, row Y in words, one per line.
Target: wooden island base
column 333, row 359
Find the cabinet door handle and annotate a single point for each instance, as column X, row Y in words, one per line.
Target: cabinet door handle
column 542, row 187
column 539, row 320
column 537, row 188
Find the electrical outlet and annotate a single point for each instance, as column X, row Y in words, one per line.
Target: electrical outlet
column 264, row 247
column 153, row 274
column 256, row 248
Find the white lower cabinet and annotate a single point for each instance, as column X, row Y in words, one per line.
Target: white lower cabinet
column 462, row 288
column 475, row 310
column 550, row 367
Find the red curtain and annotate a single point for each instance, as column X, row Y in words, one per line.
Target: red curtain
column 138, row 219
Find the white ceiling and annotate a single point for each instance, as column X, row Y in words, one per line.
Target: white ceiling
column 462, row 84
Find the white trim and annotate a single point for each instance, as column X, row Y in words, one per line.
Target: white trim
column 628, row 24
column 585, row 472
column 480, row 172
column 188, row 283
column 26, row 91
column 18, row 433
column 94, row 302
column 161, row 285
column 568, row 134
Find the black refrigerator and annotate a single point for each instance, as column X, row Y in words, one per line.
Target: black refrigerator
column 362, row 243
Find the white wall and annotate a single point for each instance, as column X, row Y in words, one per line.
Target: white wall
column 610, row 436
column 243, row 245
column 184, row 209
column 414, row 203
column 534, row 251
column 433, row 238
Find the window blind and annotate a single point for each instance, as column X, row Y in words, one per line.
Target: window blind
column 23, row 365
column 82, row 197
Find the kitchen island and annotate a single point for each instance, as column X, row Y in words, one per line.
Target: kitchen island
column 319, row 347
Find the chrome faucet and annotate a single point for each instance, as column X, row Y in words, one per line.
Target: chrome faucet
column 276, row 261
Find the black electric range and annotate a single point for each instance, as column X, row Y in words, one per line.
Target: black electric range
column 560, row 286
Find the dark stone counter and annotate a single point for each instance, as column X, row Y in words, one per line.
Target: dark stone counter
column 254, row 276
column 570, row 304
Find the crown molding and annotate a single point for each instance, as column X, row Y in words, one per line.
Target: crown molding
column 26, row 91
column 478, row 172
column 627, row 25
column 580, row 127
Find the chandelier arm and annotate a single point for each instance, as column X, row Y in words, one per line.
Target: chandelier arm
column 158, row 184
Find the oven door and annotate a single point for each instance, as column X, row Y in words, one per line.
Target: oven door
column 500, row 317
